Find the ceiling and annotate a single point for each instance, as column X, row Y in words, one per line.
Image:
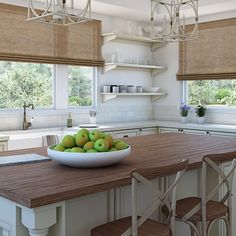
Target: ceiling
column 140, row 9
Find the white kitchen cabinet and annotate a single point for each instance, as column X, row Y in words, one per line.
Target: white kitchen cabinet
column 148, row 131
column 182, row 131
column 126, row 133
column 221, row 134
column 3, row 146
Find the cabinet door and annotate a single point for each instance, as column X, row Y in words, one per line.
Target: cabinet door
column 148, row 131
column 169, row 130
column 221, row 134
column 126, row 133
column 181, row 131
column 191, row 131
column 3, row 146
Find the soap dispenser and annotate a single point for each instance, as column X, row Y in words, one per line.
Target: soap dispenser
column 69, row 120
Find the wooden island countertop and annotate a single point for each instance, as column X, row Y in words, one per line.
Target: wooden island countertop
column 37, row 184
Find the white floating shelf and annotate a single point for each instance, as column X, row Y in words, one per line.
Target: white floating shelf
column 110, row 96
column 155, row 44
column 154, row 69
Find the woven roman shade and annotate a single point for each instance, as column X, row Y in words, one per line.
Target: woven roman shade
column 21, row 40
column 212, row 55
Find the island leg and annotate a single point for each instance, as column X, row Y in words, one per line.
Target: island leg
column 39, row 220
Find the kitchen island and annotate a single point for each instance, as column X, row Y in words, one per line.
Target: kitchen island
column 46, row 198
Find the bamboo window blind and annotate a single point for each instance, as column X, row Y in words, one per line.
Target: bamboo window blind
column 212, row 55
column 21, row 40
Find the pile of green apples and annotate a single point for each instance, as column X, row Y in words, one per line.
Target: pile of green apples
column 90, row 141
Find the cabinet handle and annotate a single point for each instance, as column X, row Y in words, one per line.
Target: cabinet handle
column 208, row 133
column 126, row 136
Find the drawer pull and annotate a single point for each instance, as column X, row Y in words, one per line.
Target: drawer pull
column 126, row 136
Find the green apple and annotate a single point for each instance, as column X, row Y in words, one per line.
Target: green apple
column 102, row 135
column 83, row 131
column 101, row 145
column 77, row 149
column 68, row 150
column 109, row 139
column 116, row 141
column 59, row 147
column 81, row 139
column 89, row 145
column 112, row 149
column 94, row 135
column 121, row 145
column 68, row 141
column 91, row 151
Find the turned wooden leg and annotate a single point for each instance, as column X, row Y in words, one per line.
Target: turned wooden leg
column 38, row 232
column 39, row 220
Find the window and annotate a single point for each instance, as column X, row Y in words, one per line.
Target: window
column 211, row 92
column 46, row 86
column 80, row 86
column 25, row 82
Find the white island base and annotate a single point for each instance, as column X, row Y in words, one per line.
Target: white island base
column 78, row 216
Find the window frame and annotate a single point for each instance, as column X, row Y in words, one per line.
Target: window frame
column 60, row 95
column 215, row 108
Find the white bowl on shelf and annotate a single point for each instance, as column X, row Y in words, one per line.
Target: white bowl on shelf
column 88, row 160
column 151, row 89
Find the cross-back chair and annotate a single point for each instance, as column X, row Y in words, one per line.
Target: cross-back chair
column 143, row 225
column 205, row 209
column 48, row 140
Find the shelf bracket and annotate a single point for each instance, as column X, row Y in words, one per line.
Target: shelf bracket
column 107, row 97
column 155, row 98
column 109, row 38
column 109, row 67
column 157, row 71
column 157, row 45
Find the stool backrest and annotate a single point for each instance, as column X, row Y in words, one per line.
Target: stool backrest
column 48, row 140
column 225, row 179
column 142, row 176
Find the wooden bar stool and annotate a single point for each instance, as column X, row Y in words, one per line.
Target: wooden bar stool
column 205, row 210
column 142, row 225
column 48, row 140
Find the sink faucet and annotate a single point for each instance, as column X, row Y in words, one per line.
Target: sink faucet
column 26, row 124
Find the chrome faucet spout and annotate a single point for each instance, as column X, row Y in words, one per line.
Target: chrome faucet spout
column 26, row 124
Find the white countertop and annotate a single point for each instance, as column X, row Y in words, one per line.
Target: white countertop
column 19, row 134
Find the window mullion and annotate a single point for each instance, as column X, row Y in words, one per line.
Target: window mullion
column 61, row 87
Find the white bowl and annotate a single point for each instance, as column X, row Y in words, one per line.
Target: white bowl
column 88, row 160
column 151, row 89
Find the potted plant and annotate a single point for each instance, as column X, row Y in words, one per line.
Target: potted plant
column 184, row 109
column 200, row 112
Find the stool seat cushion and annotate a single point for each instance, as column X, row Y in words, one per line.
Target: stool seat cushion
column 117, row 227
